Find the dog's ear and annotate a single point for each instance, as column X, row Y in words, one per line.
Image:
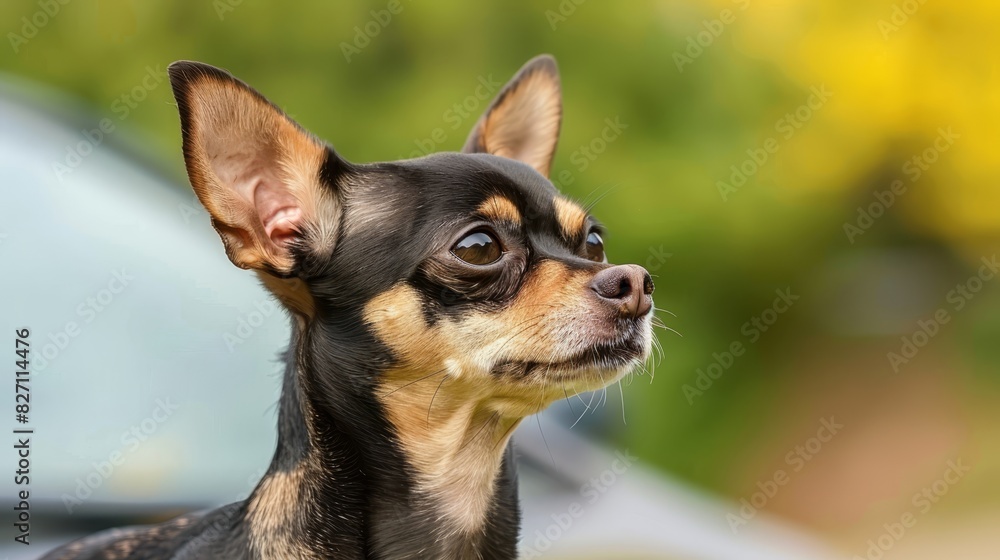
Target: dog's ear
column 523, row 121
column 255, row 170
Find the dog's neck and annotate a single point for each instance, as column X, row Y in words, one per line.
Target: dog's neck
column 366, row 480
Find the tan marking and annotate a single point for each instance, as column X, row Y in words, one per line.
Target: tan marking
column 271, row 513
column 455, row 444
column 500, row 209
column 274, row 508
column 239, row 142
column 524, row 122
column 571, row 217
column 456, row 447
column 292, row 293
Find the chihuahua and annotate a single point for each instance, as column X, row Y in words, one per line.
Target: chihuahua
column 435, row 303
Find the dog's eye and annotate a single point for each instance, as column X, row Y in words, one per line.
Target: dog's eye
column 595, row 247
column 479, row 247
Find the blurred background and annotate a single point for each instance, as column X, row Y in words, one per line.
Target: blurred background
column 815, row 187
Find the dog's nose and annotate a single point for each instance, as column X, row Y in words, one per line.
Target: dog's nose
column 627, row 287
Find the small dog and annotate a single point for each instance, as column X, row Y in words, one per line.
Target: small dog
column 435, row 303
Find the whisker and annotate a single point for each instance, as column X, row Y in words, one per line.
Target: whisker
column 541, row 431
column 662, row 326
column 586, row 200
column 416, row 381
column 604, row 390
column 505, row 434
column 486, row 424
column 622, row 393
column 565, row 393
column 443, row 379
column 658, row 346
column 590, row 206
column 535, row 320
column 582, row 414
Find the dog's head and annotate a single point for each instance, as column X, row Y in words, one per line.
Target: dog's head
column 469, row 266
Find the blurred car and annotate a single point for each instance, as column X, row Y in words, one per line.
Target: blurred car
column 154, row 371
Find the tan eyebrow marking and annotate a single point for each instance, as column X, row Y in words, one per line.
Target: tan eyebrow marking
column 500, row 209
column 571, row 217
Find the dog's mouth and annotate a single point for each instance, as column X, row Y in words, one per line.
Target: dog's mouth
column 618, row 355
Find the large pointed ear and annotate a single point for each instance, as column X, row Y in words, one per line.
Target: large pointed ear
column 254, row 169
column 523, row 121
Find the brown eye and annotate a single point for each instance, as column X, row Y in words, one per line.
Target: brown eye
column 595, row 247
column 479, row 248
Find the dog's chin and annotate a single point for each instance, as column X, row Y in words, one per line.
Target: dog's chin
column 589, row 368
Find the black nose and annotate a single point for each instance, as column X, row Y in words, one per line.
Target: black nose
column 627, row 287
